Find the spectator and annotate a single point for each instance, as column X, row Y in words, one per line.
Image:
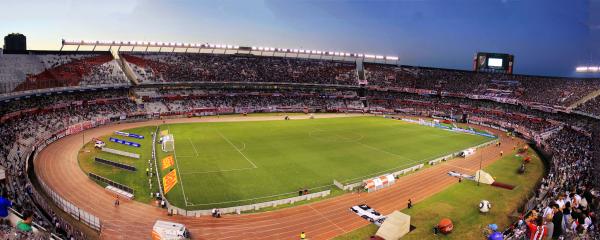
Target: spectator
column 25, row 224
column 537, row 229
column 4, row 205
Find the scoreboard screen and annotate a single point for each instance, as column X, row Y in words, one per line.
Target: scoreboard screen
column 493, row 62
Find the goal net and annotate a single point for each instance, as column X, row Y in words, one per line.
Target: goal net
column 168, row 143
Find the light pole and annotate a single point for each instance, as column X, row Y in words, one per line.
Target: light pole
column 480, row 163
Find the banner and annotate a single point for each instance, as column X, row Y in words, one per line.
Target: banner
column 167, row 162
column 169, row 181
column 128, row 143
column 125, row 134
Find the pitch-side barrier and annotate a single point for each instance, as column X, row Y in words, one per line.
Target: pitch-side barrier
column 249, row 207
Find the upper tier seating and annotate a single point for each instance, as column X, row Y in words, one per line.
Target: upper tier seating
column 548, row 91
column 40, row 70
column 188, row 67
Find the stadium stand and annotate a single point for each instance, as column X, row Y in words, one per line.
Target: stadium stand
column 511, row 102
column 591, row 107
column 549, row 91
column 186, row 67
column 40, row 70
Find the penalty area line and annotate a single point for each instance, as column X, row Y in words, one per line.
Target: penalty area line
column 193, row 146
column 237, row 149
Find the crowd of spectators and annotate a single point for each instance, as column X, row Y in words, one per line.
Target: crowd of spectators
column 40, row 70
column 591, row 106
column 511, row 116
column 549, row 91
column 568, row 199
column 189, row 67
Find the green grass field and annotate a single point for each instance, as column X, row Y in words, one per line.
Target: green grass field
column 460, row 203
column 138, row 179
column 236, row 163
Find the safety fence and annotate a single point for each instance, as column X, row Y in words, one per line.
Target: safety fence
column 250, row 207
column 70, row 208
column 456, row 154
column 110, row 182
column 353, row 185
column 155, row 167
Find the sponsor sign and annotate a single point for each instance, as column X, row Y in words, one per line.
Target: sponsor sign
column 169, row 181
column 125, row 134
column 167, row 162
column 124, row 142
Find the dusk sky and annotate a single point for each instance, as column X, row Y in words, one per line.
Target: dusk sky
column 547, row 37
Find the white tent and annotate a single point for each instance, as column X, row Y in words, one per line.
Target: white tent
column 484, row 177
column 395, row 226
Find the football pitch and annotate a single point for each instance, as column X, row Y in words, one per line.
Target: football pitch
column 222, row 164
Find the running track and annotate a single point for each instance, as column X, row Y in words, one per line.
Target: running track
column 57, row 166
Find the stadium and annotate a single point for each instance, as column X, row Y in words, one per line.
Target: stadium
column 186, row 140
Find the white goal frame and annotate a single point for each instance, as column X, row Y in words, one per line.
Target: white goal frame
column 168, row 143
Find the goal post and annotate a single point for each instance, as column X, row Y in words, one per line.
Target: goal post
column 168, row 143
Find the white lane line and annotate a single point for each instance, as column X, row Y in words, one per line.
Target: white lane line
column 327, row 219
column 237, row 149
column 462, row 168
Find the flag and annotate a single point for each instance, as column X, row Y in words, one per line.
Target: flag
column 167, row 162
column 169, row 181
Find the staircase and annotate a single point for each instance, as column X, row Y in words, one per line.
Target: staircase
column 584, row 99
column 126, row 68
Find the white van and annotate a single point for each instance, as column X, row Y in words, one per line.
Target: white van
column 99, row 144
column 164, row 230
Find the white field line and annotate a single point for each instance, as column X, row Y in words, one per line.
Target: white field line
column 185, row 199
column 218, row 171
column 237, row 149
column 193, row 146
column 384, row 151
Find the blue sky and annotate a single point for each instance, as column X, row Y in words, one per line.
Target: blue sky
column 548, row 37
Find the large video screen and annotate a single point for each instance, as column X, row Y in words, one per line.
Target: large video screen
column 495, row 62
